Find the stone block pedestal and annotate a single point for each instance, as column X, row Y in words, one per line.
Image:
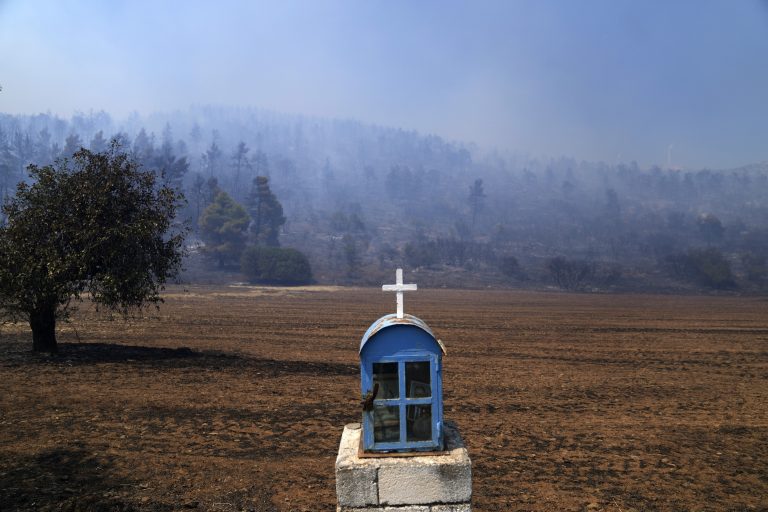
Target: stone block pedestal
column 422, row 483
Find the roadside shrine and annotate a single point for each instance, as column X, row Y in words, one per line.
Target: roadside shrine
column 403, row 454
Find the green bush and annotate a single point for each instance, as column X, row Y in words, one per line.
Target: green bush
column 275, row 265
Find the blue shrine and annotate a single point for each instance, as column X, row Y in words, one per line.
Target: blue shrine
column 401, row 381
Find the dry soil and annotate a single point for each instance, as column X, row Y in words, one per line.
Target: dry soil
column 234, row 398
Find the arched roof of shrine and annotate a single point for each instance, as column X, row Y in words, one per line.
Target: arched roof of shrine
column 392, row 320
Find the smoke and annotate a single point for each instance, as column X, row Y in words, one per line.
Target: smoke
column 546, row 78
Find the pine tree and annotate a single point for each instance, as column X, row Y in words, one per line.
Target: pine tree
column 267, row 213
column 240, row 162
column 144, row 148
column 170, row 169
column 212, row 159
column 223, row 227
column 98, row 142
column 71, row 145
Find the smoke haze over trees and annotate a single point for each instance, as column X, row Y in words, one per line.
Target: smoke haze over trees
column 668, row 83
column 359, row 200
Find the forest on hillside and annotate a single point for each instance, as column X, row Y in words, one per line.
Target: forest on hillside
column 353, row 201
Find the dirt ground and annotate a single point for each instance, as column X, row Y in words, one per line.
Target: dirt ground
column 234, row 398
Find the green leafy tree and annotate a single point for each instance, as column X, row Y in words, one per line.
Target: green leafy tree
column 267, row 213
column 97, row 223
column 223, row 227
column 276, row 265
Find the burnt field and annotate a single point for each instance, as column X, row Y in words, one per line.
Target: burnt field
column 234, row 398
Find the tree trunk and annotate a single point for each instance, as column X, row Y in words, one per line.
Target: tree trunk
column 43, row 324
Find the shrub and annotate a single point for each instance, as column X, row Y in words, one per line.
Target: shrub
column 420, row 254
column 276, row 265
column 570, row 274
column 510, row 267
column 704, row 266
column 448, row 251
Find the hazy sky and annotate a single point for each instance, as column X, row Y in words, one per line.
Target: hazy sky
column 600, row 80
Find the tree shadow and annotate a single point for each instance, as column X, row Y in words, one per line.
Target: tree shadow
column 85, row 354
column 63, row 479
column 76, row 480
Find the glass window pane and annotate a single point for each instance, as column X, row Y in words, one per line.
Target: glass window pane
column 417, row 381
column 419, row 423
column 386, row 424
column 385, row 374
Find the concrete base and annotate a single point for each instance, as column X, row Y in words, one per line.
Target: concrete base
column 425, row 483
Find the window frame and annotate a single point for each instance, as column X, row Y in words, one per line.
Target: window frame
column 403, row 401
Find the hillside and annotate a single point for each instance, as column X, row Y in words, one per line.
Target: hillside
column 361, row 199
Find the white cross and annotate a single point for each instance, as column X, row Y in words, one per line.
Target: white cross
column 399, row 288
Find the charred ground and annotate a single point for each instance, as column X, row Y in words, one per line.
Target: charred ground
column 233, row 398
